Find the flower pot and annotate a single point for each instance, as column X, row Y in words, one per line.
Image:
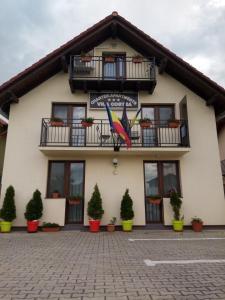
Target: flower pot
column 110, row 227
column 32, row 226
column 197, row 226
column 127, row 225
column 178, row 225
column 86, row 58
column 155, row 201
column 74, row 202
column 109, row 59
column 50, row 229
column 94, row 225
column 174, row 124
column 55, row 195
column 86, row 124
column 145, row 124
column 56, row 123
column 6, row 226
column 137, row 60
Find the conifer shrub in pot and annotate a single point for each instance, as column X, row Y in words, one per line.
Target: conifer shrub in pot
column 126, row 212
column 8, row 211
column 33, row 213
column 176, row 203
column 95, row 210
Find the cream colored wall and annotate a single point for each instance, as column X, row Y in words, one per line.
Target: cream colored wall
column 25, row 166
column 221, row 140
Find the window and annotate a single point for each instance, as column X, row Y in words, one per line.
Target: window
column 161, row 113
column 161, row 177
column 115, row 69
column 56, row 178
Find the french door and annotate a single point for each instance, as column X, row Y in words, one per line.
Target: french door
column 159, row 115
column 115, row 70
column 72, row 115
column 67, row 178
column 160, row 178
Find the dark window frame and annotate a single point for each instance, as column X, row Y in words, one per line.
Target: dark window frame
column 161, row 176
column 115, row 55
column 69, row 106
column 156, row 107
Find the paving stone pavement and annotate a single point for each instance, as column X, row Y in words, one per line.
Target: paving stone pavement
column 83, row 265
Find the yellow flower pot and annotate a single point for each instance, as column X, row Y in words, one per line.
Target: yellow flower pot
column 178, row 225
column 127, row 225
column 6, row 226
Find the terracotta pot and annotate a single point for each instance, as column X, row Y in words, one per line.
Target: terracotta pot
column 86, row 124
column 86, row 58
column 174, row 124
column 55, row 195
column 137, row 60
column 146, row 124
column 56, row 123
column 155, row 201
column 74, row 202
column 109, row 59
column 50, row 229
column 110, row 227
column 197, row 227
column 94, row 225
column 32, row 226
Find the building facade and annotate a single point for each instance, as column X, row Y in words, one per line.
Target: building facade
column 70, row 159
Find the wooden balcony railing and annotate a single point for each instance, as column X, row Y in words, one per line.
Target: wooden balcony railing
column 71, row 133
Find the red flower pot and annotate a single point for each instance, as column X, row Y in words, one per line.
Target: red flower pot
column 197, row 226
column 94, row 225
column 32, row 226
column 86, row 124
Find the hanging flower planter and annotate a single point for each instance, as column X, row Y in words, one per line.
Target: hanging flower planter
column 137, row 59
column 74, row 201
column 86, row 58
column 55, row 195
column 57, row 122
column 87, row 122
column 173, row 123
column 145, row 123
column 109, row 59
column 156, row 200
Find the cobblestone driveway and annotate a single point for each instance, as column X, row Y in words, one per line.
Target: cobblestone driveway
column 81, row 265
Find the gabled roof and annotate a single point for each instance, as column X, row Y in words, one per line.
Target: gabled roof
column 113, row 26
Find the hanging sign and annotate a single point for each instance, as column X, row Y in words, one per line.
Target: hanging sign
column 114, row 100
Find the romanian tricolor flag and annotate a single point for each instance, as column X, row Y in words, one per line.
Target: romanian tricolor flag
column 116, row 126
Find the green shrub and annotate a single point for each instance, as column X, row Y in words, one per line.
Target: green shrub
column 8, row 211
column 52, row 225
column 126, row 209
column 95, row 210
column 34, row 207
column 176, row 203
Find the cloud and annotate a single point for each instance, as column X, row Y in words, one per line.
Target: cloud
column 194, row 30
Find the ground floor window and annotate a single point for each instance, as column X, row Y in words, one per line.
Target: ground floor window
column 67, row 179
column 160, row 178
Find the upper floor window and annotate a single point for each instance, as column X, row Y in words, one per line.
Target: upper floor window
column 114, row 66
column 69, row 111
column 159, row 112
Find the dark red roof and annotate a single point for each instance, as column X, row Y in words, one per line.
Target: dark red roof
column 176, row 67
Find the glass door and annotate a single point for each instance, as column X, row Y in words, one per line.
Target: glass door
column 75, row 200
column 78, row 133
column 115, row 69
column 149, row 135
column 152, row 183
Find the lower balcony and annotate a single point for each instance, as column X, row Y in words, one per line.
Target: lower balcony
column 71, row 136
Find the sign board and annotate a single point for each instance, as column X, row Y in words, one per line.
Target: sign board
column 114, row 100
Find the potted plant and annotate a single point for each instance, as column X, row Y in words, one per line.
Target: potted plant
column 137, row 59
column 57, row 122
column 111, row 225
column 109, row 59
column 85, row 57
column 75, row 200
column 8, row 211
column 50, row 227
column 145, row 123
column 197, row 224
column 95, row 211
column 87, row 122
column 154, row 199
column 176, row 202
column 33, row 212
column 55, row 194
column 173, row 123
column 126, row 212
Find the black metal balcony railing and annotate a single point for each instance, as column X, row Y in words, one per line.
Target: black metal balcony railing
column 123, row 73
column 122, row 68
column 71, row 133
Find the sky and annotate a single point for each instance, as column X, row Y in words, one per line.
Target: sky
column 192, row 29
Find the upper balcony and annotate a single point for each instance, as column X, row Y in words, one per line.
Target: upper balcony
column 71, row 136
column 118, row 73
